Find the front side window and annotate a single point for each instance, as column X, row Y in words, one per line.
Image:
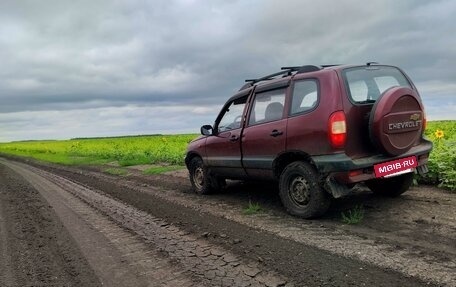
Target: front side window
column 233, row 115
column 366, row 84
column 267, row 107
column 305, row 96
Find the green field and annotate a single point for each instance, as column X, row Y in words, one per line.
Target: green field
column 126, row 151
column 442, row 162
column 170, row 150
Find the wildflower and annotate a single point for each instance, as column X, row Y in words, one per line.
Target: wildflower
column 439, row 134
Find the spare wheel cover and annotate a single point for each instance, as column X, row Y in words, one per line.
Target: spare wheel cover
column 396, row 120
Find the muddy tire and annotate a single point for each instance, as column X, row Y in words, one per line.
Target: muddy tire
column 202, row 182
column 300, row 191
column 391, row 187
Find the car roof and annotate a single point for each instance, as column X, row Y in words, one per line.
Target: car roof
column 287, row 73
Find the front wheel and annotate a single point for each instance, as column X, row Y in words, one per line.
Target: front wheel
column 300, row 191
column 393, row 186
column 202, row 182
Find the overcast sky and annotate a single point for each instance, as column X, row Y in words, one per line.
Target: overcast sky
column 99, row 68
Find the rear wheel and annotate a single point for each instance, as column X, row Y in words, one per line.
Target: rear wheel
column 202, row 181
column 300, row 191
column 393, row 186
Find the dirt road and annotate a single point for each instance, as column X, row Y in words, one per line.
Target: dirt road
column 66, row 226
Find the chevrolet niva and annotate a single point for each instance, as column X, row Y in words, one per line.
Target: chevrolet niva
column 317, row 131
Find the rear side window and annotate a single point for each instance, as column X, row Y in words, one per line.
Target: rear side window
column 305, row 96
column 267, row 107
column 366, row 84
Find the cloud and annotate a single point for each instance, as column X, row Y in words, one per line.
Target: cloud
column 58, row 56
column 108, row 121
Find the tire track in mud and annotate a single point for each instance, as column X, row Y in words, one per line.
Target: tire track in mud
column 117, row 257
column 413, row 262
column 293, row 257
column 269, row 237
column 186, row 255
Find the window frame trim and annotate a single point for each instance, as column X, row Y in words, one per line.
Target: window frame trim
column 316, row 80
column 252, row 105
column 225, row 108
column 347, row 87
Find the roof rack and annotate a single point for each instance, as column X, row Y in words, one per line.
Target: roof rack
column 285, row 71
column 306, row 68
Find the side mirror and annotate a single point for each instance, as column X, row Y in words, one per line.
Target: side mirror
column 207, row 130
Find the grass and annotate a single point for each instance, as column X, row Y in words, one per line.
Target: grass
column 252, row 208
column 442, row 161
column 126, row 151
column 354, row 215
column 162, row 169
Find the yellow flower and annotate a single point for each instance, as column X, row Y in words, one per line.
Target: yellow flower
column 439, row 134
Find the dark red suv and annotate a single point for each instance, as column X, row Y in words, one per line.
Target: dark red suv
column 317, row 130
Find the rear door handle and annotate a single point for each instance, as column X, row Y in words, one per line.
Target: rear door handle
column 276, row 133
column 234, row 138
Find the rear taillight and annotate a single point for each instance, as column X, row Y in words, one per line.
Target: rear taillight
column 337, row 129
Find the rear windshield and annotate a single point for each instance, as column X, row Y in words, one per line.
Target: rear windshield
column 366, row 84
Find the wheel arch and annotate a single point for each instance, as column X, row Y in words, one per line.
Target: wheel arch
column 190, row 156
column 286, row 158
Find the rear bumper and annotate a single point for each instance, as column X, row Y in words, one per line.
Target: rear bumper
column 348, row 170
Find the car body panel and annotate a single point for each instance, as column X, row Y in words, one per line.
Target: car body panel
column 260, row 146
column 223, row 153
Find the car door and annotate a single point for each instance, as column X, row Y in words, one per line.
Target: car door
column 264, row 136
column 223, row 149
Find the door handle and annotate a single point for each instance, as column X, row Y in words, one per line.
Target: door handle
column 276, row 133
column 234, row 138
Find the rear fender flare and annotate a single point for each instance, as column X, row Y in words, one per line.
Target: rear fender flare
column 287, row 157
